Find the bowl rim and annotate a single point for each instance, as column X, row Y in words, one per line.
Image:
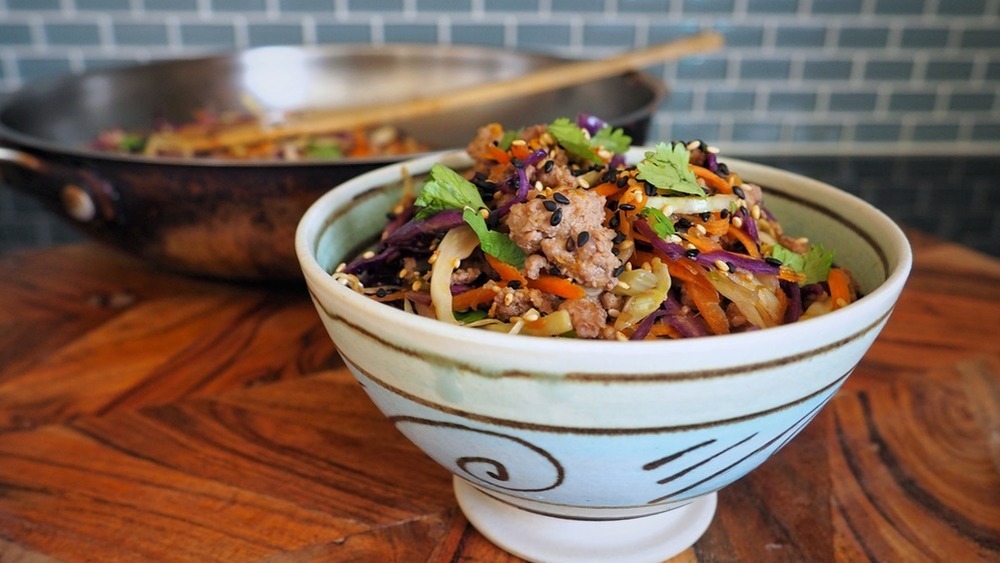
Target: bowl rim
column 875, row 306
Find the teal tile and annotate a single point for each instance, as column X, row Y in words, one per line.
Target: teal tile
column 853, row 101
column 912, row 101
column 729, row 100
column 817, row 132
column 867, row 37
column 679, row 100
column 924, row 37
column 171, row 5
column 899, row 7
column 757, row 132
column 963, row 101
column 453, row 6
column 543, row 35
column 772, row 6
column 313, row 6
column 949, row 70
column 15, row 34
column 791, row 101
column 962, row 8
column 877, row 132
column 935, row 132
column 139, row 34
column 608, row 34
column 842, row 7
column 993, row 70
column 707, row 6
column 103, row 5
column 239, row 5
column 741, row 35
column 73, row 34
column 661, row 33
column 488, row 35
column 33, row 5
column 510, row 5
column 765, row 69
column 989, row 131
column 702, row 68
column 826, row 69
column 98, row 62
column 343, row 33
column 640, row 6
column 683, row 129
column 889, row 70
column 411, row 33
column 208, row 35
column 800, row 36
column 263, row 34
column 981, row 38
column 34, row 68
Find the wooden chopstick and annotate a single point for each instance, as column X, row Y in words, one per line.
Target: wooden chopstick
column 350, row 118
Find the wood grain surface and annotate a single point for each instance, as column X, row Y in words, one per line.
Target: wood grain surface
column 146, row 416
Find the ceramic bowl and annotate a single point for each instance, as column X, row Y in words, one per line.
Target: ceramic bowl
column 576, row 450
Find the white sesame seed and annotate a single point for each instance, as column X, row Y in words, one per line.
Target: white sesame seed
column 675, row 239
column 403, row 273
column 701, row 229
column 416, row 286
column 433, row 258
column 539, row 186
column 621, row 336
column 693, row 145
column 755, row 211
column 711, row 149
column 667, row 210
column 531, row 316
column 628, row 266
column 519, row 142
column 508, row 299
column 484, row 213
column 340, row 267
column 722, row 266
column 737, row 222
column 369, row 254
column 841, row 302
column 624, row 285
column 455, row 262
column 802, row 240
column 583, row 183
column 614, row 313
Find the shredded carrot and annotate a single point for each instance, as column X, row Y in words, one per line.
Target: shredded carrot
column 394, row 296
column 706, row 300
column 606, row 189
column 520, row 151
column 840, row 291
column 556, row 285
column 712, row 179
column 716, row 226
column 662, row 329
column 505, row 270
column 498, row 154
column 788, row 274
column 745, row 240
column 734, row 179
column 472, row 298
column 361, row 146
column 701, row 243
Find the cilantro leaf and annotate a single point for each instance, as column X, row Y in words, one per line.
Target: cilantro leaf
column 573, row 139
column 446, row 189
column 613, row 140
column 496, row 244
column 658, row 221
column 470, row 316
column 666, row 167
column 815, row 263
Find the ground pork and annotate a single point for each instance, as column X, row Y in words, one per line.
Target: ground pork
column 511, row 302
column 591, row 264
column 587, row 315
column 464, row 276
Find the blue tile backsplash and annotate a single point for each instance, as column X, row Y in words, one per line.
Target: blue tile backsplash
column 827, row 78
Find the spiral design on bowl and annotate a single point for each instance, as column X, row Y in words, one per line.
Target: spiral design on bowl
column 491, row 458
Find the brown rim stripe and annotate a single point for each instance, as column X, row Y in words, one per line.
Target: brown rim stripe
column 492, row 495
column 605, row 377
column 581, row 430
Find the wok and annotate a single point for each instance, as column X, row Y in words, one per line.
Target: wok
column 234, row 219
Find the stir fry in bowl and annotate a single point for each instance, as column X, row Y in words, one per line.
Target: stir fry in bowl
column 359, row 143
column 554, row 233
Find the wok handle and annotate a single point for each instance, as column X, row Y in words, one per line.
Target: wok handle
column 79, row 193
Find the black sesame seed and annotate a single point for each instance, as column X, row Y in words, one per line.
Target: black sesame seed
column 547, row 167
column 773, row 261
column 609, row 175
column 382, row 292
column 732, row 267
column 626, row 207
column 578, row 171
column 618, row 271
column 615, row 221
column 691, row 252
column 582, row 238
column 514, row 284
column 550, row 205
column 493, row 220
column 739, row 192
column 724, row 213
column 744, row 210
column 561, row 198
column 649, row 189
column 682, row 224
column 622, row 181
column 556, row 217
column 619, row 237
column 616, row 251
column 723, row 170
column 517, row 163
column 706, row 216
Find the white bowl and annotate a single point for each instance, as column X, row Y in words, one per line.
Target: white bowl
column 566, row 449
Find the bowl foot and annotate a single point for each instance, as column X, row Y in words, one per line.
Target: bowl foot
column 542, row 538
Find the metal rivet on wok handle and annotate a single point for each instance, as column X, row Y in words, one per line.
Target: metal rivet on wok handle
column 535, row 82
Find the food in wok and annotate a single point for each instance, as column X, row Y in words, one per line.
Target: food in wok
column 553, row 233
